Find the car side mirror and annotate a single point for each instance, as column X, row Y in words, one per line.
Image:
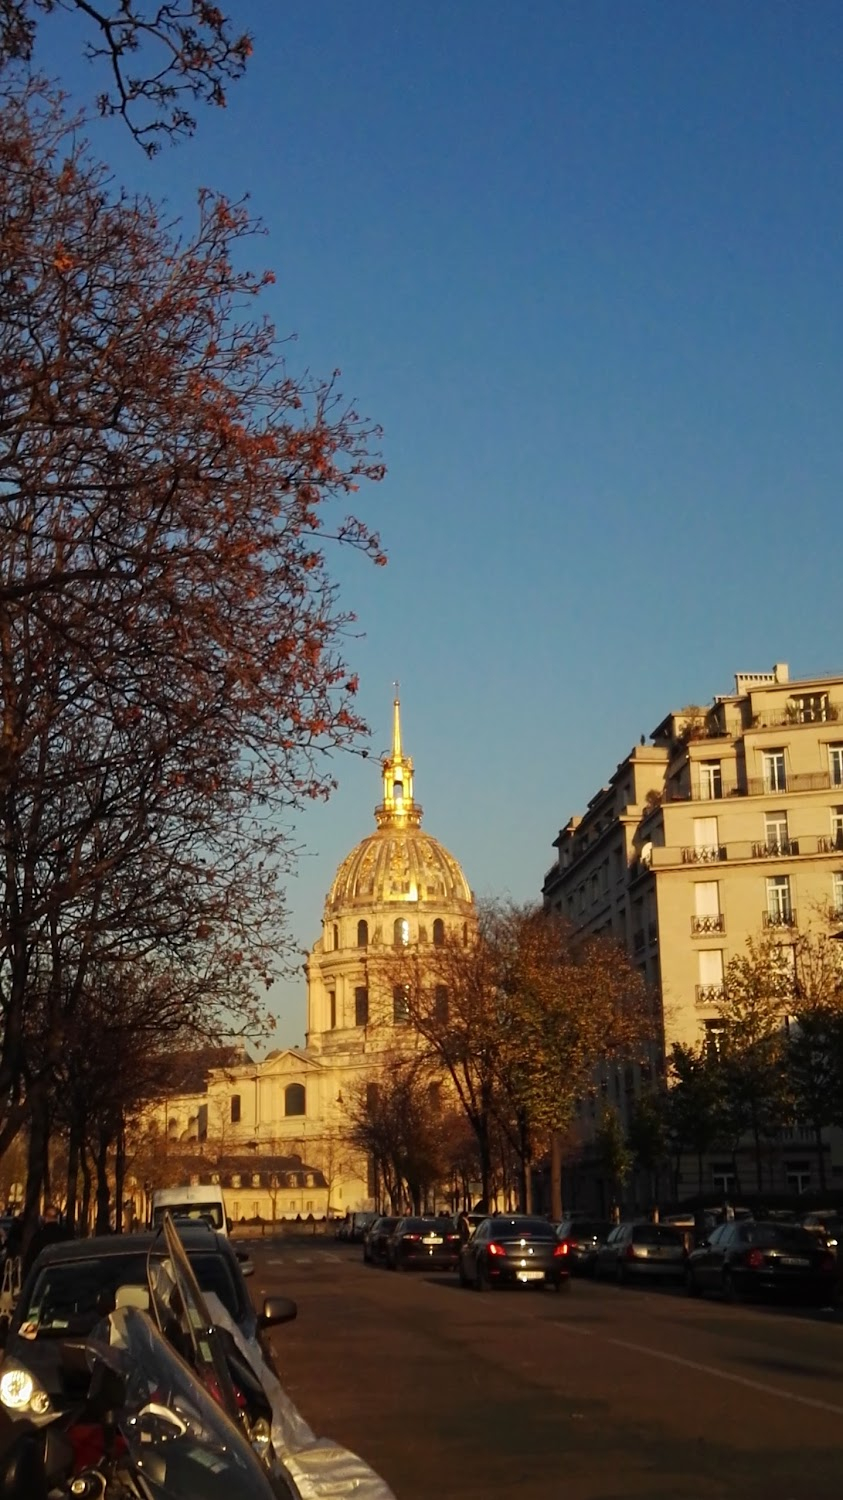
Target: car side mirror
column 277, row 1310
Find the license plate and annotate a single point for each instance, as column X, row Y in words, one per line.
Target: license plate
column 531, row 1275
column 432, row 1239
column 793, row 1260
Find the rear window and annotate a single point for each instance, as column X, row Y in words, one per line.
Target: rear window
column 780, row 1236
column 69, row 1298
column 657, row 1234
column 535, row 1229
column 587, row 1229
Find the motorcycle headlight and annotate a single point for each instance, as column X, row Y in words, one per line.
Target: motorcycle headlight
column 21, row 1393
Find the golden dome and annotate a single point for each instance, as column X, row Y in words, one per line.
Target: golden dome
column 398, row 863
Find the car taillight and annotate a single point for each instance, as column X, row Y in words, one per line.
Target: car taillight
column 411, row 1236
column 561, row 1249
column 496, row 1249
column 452, row 1236
column 754, row 1259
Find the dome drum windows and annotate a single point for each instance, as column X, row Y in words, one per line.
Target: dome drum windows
column 400, row 932
column 362, row 934
column 438, row 933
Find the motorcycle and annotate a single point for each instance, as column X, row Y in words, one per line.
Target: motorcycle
column 148, row 1430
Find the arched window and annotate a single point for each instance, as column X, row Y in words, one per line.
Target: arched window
column 398, row 790
column 336, row 935
column 400, row 932
column 440, row 1003
column 465, row 934
column 173, row 1129
column 294, row 1099
column 438, row 933
column 362, row 934
column 332, row 1001
column 256, row 1179
column 400, row 1005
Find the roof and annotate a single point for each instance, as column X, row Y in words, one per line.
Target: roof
column 104, row 1246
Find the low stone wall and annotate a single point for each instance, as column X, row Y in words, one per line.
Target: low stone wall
column 318, row 1228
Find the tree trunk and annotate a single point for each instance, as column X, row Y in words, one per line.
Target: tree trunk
column 85, row 1210
column 102, row 1223
column 818, row 1138
column 39, row 1144
column 556, row 1163
column 72, row 1184
column 119, row 1173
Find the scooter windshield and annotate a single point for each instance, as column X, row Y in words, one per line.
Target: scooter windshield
column 180, row 1442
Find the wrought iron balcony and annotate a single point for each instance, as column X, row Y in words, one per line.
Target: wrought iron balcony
column 704, row 854
column 709, row 994
column 784, row 918
column 775, row 849
column 833, row 845
column 714, row 923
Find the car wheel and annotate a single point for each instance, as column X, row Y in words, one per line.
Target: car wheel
column 692, row 1286
column 562, row 1284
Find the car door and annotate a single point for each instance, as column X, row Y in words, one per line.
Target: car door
column 474, row 1249
column 704, row 1257
column 607, row 1255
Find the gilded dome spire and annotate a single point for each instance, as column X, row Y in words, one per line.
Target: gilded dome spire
column 398, row 809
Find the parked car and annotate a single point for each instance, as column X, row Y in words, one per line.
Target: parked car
column 375, row 1240
column 415, row 1242
column 583, row 1238
column 355, row 1226
column 74, row 1284
column 828, row 1224
column 753, row 1259
column 642, row 1251
column 514, row 1250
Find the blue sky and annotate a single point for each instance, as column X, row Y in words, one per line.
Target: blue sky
column 582, row 261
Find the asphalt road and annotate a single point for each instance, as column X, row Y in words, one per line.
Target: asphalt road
column 597, row 1394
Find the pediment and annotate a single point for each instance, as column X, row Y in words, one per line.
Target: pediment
column 288, row 1061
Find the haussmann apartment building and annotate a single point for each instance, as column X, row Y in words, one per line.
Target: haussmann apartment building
column 727, row 825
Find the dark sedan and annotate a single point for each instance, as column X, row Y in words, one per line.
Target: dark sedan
column 514, row 1250
column 375, row 1241
column 765, row 1258
column 416, row 1242
column 584, row 1238
column 642, row 1251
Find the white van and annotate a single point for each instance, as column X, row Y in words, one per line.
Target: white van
column 203, row 1203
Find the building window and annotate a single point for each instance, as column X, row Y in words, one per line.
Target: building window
column 465, row 934
column 400, row 932
column 808, row 708
column 361, row 1006
column 400, row 1005
column 714, row 1036
column 779, row 911
column 438, row 933
column 837, row 893
column 235, row 1109
column 798, row 1176
column 710, row 969
column 594, row 887
column 294, row 1099
column 372, row 1096
column 362, row 934
column 707, row 915
column 711, row 779
column 581, row 894
column 706, row 842
column 835, row 764
column 723, row 1177
column 837, row 827
column 235, row 1207
column 256, row 1210
column 440, row 1004
column 235, row 1181
column 775, row 832
column 333, row 1002
column 775, row 775
column 336, row 935
column 256, row 1179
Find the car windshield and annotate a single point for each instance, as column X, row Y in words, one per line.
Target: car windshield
column 71, row 1296
column 202, row 1213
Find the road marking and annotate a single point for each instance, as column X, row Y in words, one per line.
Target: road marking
column 701, row 1369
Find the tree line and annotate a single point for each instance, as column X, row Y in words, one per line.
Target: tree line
column 173, row 676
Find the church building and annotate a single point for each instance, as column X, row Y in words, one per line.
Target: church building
column 285, row 1121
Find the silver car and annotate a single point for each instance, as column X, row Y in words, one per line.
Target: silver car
column 641, row 1250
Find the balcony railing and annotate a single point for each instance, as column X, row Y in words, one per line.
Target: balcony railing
column 709, row 994
column 775, row 849
column 702, row 925
column 704, row 854
column 754, row 786
column 785, row 918
column 833, row 845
